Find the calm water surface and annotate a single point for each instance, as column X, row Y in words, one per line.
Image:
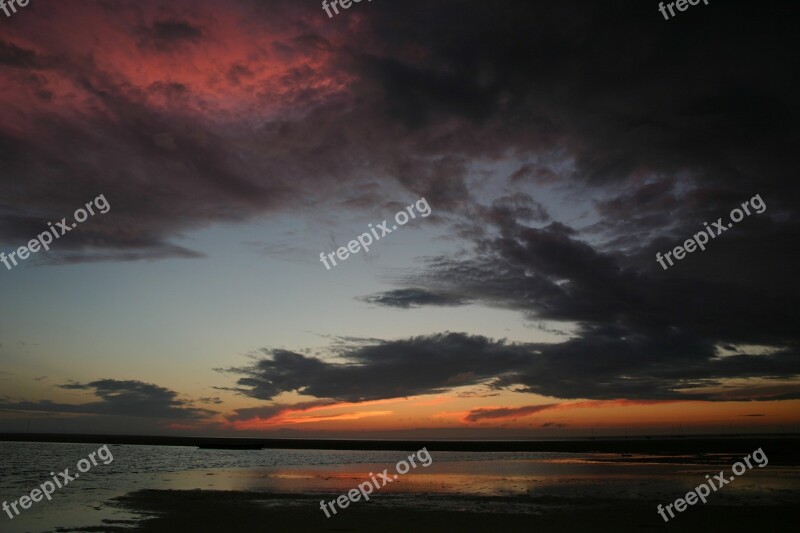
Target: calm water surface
column 501, row 482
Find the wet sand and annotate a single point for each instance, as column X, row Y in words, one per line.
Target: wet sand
column 215, row 511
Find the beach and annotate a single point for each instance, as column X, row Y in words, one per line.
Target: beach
column 237, row 511
column 183, row 488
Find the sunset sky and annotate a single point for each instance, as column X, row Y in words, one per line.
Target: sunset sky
column 559, row 145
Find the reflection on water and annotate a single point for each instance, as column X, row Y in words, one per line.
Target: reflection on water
column 553, row 477
column 505, row 482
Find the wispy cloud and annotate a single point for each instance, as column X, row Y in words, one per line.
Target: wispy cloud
column 493, row 413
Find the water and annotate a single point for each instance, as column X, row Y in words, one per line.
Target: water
column 489, row 482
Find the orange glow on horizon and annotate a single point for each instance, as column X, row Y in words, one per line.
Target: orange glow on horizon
column 507, row 412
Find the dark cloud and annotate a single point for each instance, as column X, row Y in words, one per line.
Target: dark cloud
column 477, row 394
column 120, row 398
column 144, row 253
column 602, row 364
column 548, row 274
column 641, row 333
column 164, row 35
column 407, row 298
column 420, row 365
column 609, row 115
column 237, row 74
column 215, row 400
column 15, row 56
column 611, row 363
column 272, row 411
column 477, row 415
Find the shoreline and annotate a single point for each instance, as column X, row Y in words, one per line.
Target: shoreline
column 201, row 510
column 781, row 446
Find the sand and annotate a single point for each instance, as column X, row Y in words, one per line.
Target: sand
column 230, row 512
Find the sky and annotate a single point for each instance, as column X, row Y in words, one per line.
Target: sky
column 551, row 154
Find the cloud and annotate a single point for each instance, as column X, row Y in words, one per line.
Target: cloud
column 186, row 114
column 165, row 35
column 638, row 332
column 603, row 364
column 657, row 157
column 214, row 400
column 269, row 412
column 408, row 298
column 391, row 369
column 167, row 142
column 120, row 398
column 548, row 274
column 491, row 413
column 505, row 412
column 477, row 394
column 14, row 56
